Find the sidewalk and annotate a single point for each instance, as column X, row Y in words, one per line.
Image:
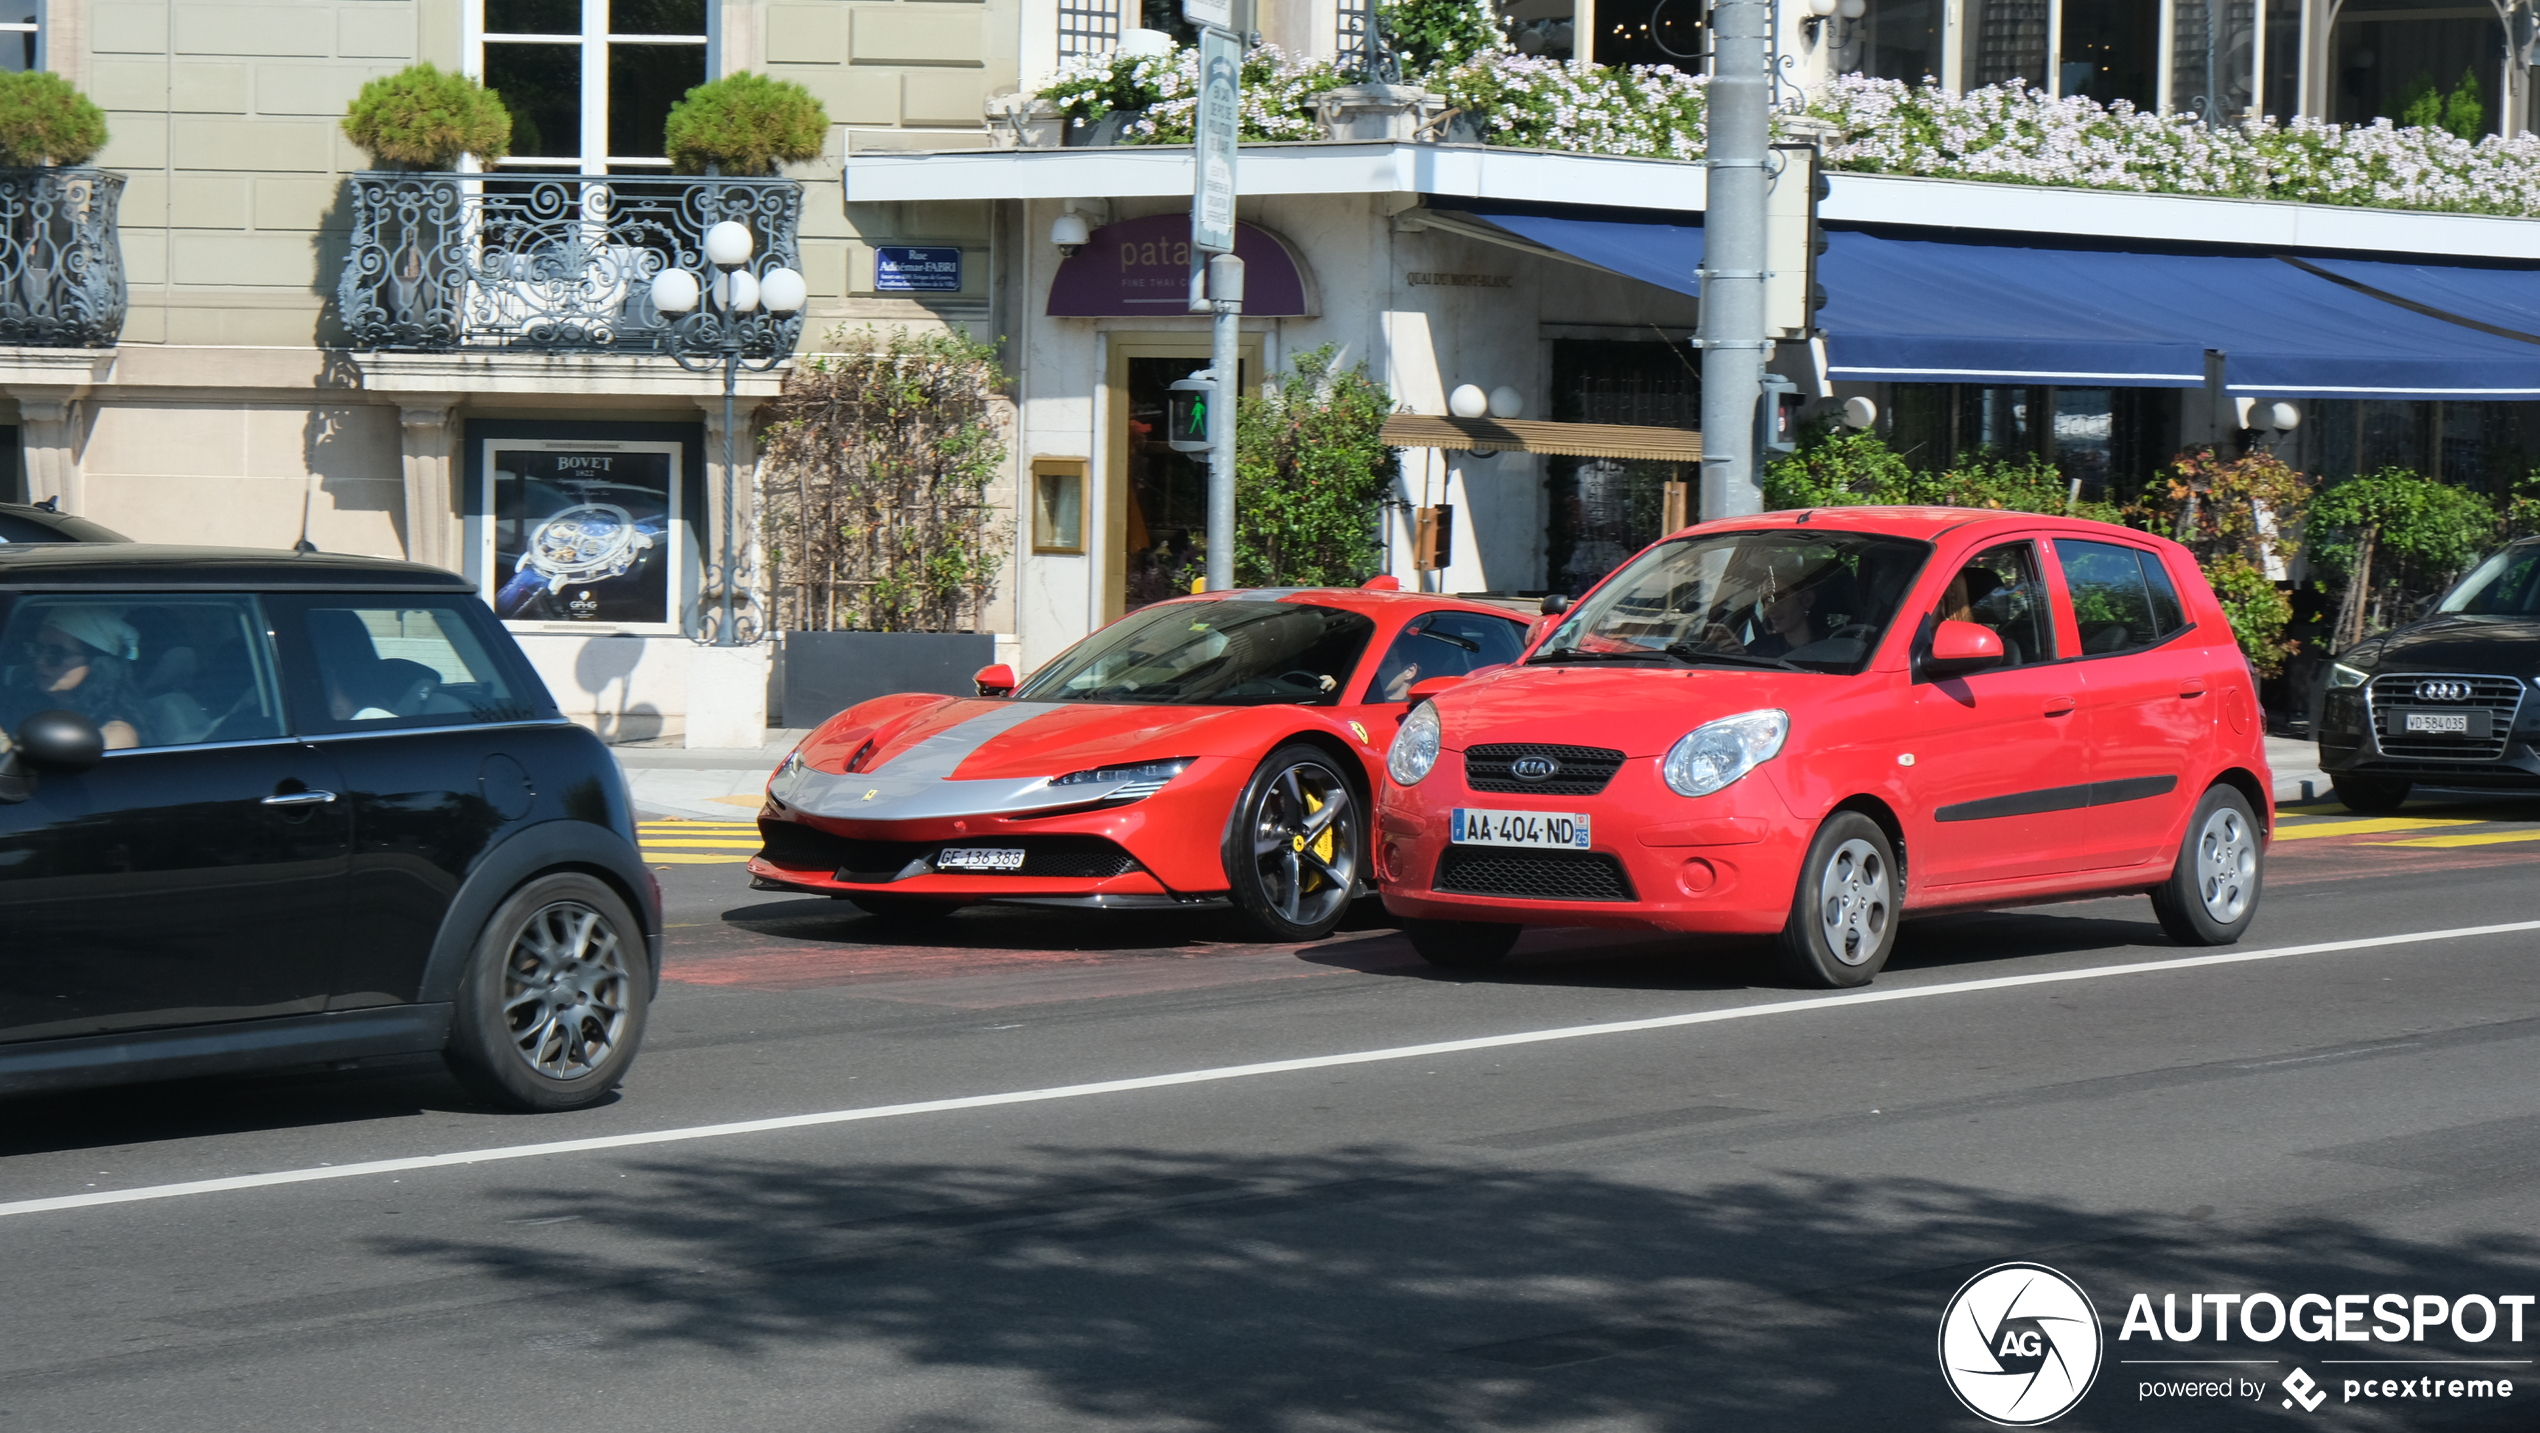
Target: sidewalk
column 701, row 783
column 2297, row 770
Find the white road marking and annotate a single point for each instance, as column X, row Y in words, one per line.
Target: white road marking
column 1228, row 1072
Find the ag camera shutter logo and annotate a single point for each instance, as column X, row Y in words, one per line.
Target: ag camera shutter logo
column 2020, row 1345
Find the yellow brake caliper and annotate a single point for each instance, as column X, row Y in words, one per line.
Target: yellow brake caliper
column 1322, row 844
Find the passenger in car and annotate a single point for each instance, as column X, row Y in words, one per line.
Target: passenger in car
column 80, row 661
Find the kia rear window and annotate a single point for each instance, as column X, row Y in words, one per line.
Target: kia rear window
column 1787, row 598
column 1231, row 652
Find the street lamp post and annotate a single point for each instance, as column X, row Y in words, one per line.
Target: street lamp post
column 719, row 334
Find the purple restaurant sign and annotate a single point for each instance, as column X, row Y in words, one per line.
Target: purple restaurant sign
column 1141, row 268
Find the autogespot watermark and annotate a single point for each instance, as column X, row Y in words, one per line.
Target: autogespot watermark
column 2021, row 1344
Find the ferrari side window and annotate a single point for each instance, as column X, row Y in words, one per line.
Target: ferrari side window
column 1444, row 644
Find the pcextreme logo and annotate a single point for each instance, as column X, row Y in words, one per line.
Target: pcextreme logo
column 2020, row 1345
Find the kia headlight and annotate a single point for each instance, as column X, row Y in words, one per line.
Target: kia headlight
column 1415, row 746
column 2341, row 676
column 1716, row 753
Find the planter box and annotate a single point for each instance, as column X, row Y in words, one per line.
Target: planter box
column 820, row 674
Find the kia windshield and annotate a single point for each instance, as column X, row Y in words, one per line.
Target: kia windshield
column 1234, row 652
column 1787, row 599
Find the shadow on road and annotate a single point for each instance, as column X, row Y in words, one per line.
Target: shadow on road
column 1380, row 1289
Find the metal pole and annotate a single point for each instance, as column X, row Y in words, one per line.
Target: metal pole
column 1738, row 116
column 1225, row 356
column 731, row 381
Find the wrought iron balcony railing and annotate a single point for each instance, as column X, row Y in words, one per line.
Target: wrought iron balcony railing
column 61, row 258
column 551, row 262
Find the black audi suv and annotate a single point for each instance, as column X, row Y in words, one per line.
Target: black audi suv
column 2445, row 701
column 267, row 809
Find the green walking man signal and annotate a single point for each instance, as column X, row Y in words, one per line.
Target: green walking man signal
column 1186, row 412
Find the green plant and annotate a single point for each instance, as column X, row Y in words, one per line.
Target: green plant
column 745, row 124
column 1310, row 468
column 876, row 484
column 45, row 120
column 2465, row 108
column 2397, row 537
column 1438, row 34
column 2248, row 507
column 1841, row 467
column 2259, row 610
column 425, row 118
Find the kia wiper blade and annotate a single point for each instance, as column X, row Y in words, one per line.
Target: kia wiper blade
column 1685, row 651
column 1572, row 655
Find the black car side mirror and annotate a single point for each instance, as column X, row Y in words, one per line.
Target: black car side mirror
column 56, row 741
column 1555, row 605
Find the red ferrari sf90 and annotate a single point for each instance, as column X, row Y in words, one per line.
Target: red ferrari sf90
column 1199, row 751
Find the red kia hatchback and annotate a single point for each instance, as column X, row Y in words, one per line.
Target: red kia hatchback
column 1811, row 723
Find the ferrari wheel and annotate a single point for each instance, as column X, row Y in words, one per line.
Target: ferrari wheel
column 1294, row 847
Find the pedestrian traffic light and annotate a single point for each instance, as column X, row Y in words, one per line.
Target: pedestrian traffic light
column 1778, row 415
column 1186, row 412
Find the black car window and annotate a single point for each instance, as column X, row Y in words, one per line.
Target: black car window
column 385, row 663
column 2505, row 585
column 2116, row 605
column 1225, row 652
column 1444, row 644
column 151, row 669
column 54, row 527
column 1999, row 588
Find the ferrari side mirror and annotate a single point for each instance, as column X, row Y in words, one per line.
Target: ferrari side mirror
column 995, row 681
column 1422, row 691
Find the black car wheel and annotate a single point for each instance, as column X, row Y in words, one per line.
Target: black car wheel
column 1462, row 945
column 2212, row 893
column 1843, row 916
column 2371, row 795
column 553, row 1003
column 1294, row 847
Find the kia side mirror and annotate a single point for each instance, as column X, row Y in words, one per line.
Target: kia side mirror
column 54, row 741
column 995, row 681
column 1958, row 648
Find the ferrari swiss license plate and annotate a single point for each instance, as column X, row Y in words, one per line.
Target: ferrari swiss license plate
column 978, row 858
column 1541, row 830
column 2471, row 724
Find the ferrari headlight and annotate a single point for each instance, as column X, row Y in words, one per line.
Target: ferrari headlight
column 1144, row 778
column 2341, row 676
column 1415, row 746
column 1716, row 753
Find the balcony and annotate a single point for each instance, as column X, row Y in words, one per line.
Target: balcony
column 444, row 263
column 61, row 258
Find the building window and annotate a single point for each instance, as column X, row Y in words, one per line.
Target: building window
column 21, row 37
column 584, row 533
column 2008, row 42
column 2393, row 55
column 1895, row 40
column 1351, row 22
column 2221, row 60
column 590, row 83
column 1088, row 27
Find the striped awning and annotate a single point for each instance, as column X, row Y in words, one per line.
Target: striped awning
column 1520, row 435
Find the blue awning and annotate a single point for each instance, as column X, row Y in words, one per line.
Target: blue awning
column 2507, row 299
column 1943, row 311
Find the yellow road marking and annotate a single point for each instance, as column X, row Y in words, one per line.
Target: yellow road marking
column 2480, row 838
column 653, row 841
column 2372, row 827
column 677, row 858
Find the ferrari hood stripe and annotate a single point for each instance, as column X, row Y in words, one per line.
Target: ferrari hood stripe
column 918, row 783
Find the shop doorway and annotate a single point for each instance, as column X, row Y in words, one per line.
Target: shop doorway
column 1606, row 509
column 1156, row 499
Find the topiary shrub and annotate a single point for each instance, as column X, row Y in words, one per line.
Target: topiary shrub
column 425, row 118
column 45, row 120
column 1311, row 467
column 745, row 124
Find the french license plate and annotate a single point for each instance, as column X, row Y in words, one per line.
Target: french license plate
column 978, row 858
column 1540, row 830
column 2472, row 724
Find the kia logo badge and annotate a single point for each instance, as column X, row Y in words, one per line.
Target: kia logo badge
column 2442, row 691
column 1534, row 768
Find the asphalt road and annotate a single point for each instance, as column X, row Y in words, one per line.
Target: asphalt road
column 1746, row 1210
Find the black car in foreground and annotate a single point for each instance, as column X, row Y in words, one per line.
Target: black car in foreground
column 272, row 809
column 43, row 522
column 2445, row 701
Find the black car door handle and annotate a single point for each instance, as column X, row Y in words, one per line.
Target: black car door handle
column 300, row 798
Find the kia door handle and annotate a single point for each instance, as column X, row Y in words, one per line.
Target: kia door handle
column 2059, row 706
column 2195, row 688
column 300, row 798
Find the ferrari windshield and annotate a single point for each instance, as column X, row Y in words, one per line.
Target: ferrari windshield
column 1233, row 652
column 1786, row 598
